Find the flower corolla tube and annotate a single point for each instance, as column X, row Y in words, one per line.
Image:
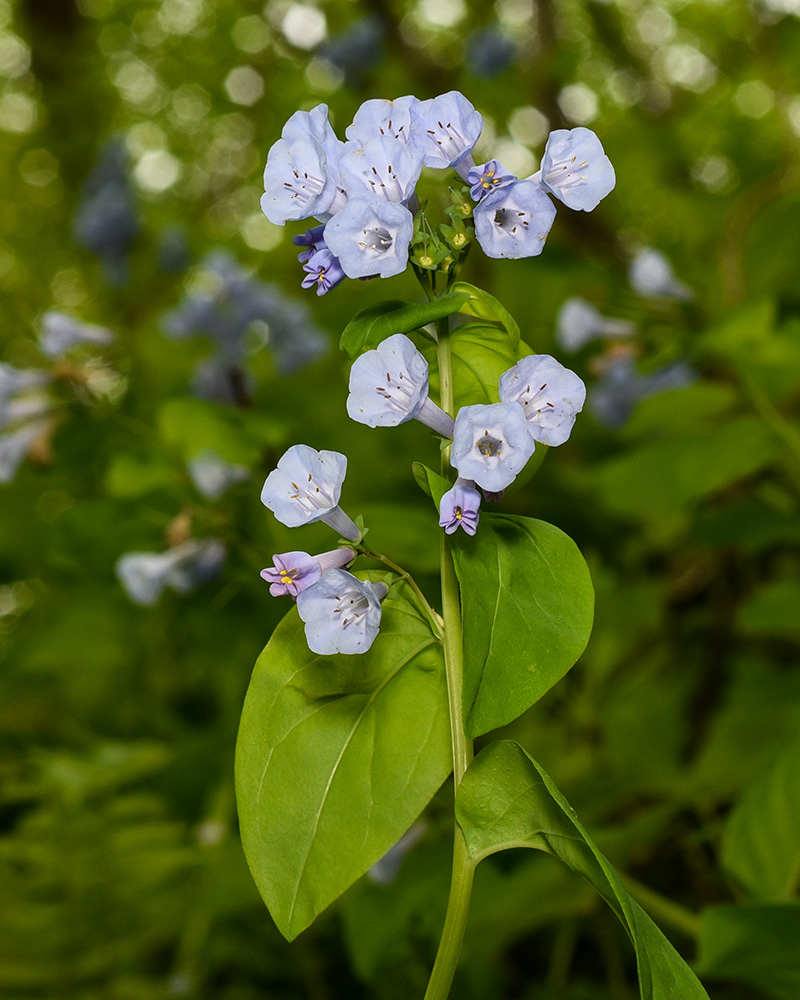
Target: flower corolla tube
column 575, row 169
column 294, row 572
column 491, row 444
column 550, row 395
column 513, row 220
column 342, row 614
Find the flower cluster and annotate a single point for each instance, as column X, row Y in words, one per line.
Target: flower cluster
column 363, row 191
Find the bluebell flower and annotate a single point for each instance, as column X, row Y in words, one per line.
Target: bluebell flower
column 389, row 385
column 60, row 333
column 460, row 507
column 323, row 271
column 486, row 178
column 145, row 575
column 651, row 274
column 342, row 614
column 490, row 51
column 446, row 129
column 384, row 166
column 15, row 445
column 294, row 572
column 613, row 397
column 378, row 117
column 370, row 236
column 550, row 395
column 578, row 322
column 491, row 444
column 575, row 169
column 306, row 487
column 213, row 476
column 514, row 220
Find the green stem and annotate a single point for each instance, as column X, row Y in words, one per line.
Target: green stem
column 436, row 619
column 664, row 910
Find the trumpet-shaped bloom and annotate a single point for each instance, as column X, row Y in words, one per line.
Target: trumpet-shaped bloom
column 212, row 475
column 487, row 177
column 460, row 507
column 550, row 395
column 370, row 236
column 384, row 166
column 491, row 444
column 651, row 274
column 60, row 333
column 389, row 386
column 342, row 614
column 578, row 322
column 306, row 487
column 446, row 129
column 294, row 572
column 323, row 271
column 145, row 575
column 379, row 117
column 513, row 221
column 575, row 169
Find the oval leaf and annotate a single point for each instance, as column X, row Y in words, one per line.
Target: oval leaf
column 507, row 800
column 337, row 756
column 486, row 306
column 528, row 606
column 371, row 326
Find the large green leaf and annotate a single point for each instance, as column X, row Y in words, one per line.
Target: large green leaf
column 761, row 839
column 337, row 756
column 528, row 605
column 507, row 800
column 486, row 306
column 756, row 944
column 371, row 326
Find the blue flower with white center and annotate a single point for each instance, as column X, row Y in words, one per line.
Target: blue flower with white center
column 294, row 572
column 306, row 487
column 380, row 117
column 491, row 444
column 370, row 236
column 551, row 396
column 578, row 322
column 213, row 476
column 384, row 166
column 60, row 333
column 312, row 240
column 446, row 129
column 651, row 274
column 323, row 271
column 389, row 386
column 342, row 614
column 460, row 507
column 487, row 177
column 514, row 220
column 575, row 169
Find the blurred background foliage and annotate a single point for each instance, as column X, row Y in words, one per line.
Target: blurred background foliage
column 133, row 136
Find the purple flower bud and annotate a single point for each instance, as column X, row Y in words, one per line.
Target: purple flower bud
column 550, row 395
column 312, row 240
column 460, row 507
column 487, row 177
column 342, row 614
column 379, row 117
column 294, row 572
column 575, row 169
column 491, row 444
column 514, row 220
column 324, row 271
column 370, row 236
column 445, row 129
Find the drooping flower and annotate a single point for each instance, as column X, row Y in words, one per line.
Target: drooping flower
column 384, row 166
column 342, row 614
column 380, row 117
column 513, row 221
column 575, row 169
column 578, row 322
column 212, row 475
column 60, row 333
column 491, row 444
column 487, row 177
column 370, row 236
column 550, row 395
column 145, row 575
column 312, row 239
column 389, row 385
column 323, row 271
column 306, row 487
column 460, row 507
column 446, row 129
column 651, row 274
column 294, row 572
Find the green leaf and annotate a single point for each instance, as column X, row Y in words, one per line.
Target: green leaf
column 371, row 326
column 192, row 425
column 486, row 306
column 772, row 611
column 761, row 838
column 131, row 476
column 507, row 800
column 757, row 944
column 337, row 756
column 430, row 482
column 528, row 604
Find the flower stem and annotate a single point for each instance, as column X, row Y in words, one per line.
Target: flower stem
column 435, row 618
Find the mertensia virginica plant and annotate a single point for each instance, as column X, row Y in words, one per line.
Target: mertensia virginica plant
column 367, row 697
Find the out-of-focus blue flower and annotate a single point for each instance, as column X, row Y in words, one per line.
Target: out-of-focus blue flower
column 60, row 333
column 446, row 129
column 491, row 444
column 578, row 322
column 323, row 271
column 384, row 166
column 460, row 507
column 294, row 572
column 486, row 178
column 514, row 220
column 357, row 50
column 106, row 221
column 613, row 397
column 651, row 274
column 173, row 250
column 385, row 870
column 15, row 445
column 14, row 380
column 490, row 51
column 22, row 409
column 575, row 169
column 370, row 236
column 306, row 487
column 550, row 395
column 213, row 476
column 342, row 614
column 145, row 575
column 378, row 117
column 389, row 386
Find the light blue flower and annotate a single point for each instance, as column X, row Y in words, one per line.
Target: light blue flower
column 651, row 274
column 550, row 395
column 446, row 129
column 370, row 236
column 323, row 271
column 384, row 166
column 491, row 444
column 342, row 614
column 486, row 178
column 145, row 575
column 460, row 507
column 14, row 380
column 313, row 123
column 15, row 445
column 514, row 220
column 578, row 322
column 380, row 117
column 306, row 487
column 60, row 333
column 613, row 397
column 389, row 386
column 294, row 572
column 575, row 169
column 212, row 475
